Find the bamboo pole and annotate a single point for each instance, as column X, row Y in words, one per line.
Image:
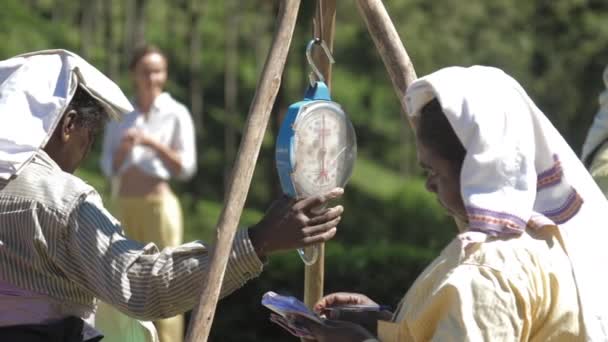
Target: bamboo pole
column 314, row 275
column 255, row 127
column 396, row 60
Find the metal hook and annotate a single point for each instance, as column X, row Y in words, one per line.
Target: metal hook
column 314, row 68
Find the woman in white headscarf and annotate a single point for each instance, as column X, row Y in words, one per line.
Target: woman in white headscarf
column 523, row 266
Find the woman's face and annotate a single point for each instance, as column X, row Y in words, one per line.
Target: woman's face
column 150, row 74
column 442, row 179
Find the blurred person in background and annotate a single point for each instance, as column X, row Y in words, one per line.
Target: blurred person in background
column 142, row 153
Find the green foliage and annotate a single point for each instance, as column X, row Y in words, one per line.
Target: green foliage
column 19, row 36
column 202, row 217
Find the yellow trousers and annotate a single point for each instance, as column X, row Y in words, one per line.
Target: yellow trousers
column 155, row 219
column 158, row 220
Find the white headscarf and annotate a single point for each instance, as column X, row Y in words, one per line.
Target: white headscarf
column 518, row 171
column 598, row 132
column 35, row 89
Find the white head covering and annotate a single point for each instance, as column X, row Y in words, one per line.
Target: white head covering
column 519, row 171
column 35, row 89
column 598, row 132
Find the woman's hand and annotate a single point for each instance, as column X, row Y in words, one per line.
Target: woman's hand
column 170, row 157
column 127, row 142
column 366, row 317
column 340, row 299
column 291, row 224
column 334, row 331
column 138, row 137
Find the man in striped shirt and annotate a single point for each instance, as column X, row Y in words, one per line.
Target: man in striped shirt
column 60, row 249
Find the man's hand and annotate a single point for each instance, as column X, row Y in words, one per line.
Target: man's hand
column 290, row 224
column 334, row 331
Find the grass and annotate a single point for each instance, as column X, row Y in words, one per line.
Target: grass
column 377, row 181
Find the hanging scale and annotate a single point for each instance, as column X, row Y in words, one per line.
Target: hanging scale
column 316, row 147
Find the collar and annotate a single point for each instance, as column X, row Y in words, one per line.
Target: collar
column 43, row 158
column 161, row 101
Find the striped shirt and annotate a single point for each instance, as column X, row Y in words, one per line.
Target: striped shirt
column 56, row 239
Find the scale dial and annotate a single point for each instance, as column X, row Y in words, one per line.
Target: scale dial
column 324, row 149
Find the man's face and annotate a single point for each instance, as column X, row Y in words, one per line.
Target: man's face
column 443, row 179
column 76, row 146
column 150, row 74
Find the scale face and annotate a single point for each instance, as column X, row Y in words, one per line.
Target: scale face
column 316, row 147
column 324, row 149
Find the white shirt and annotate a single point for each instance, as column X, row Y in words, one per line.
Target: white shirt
column 169, row 123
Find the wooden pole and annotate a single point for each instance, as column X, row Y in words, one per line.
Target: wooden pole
column 255, row 127
column 389, row 45
column 325, row 18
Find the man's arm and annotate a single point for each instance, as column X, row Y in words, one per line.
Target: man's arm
column 138, row 278
column 151, row 284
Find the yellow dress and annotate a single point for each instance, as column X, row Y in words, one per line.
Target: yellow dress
column 518, row 289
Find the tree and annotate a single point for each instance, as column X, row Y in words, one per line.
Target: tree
column 195, row 10
column 112, row 54
column 231, row 86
